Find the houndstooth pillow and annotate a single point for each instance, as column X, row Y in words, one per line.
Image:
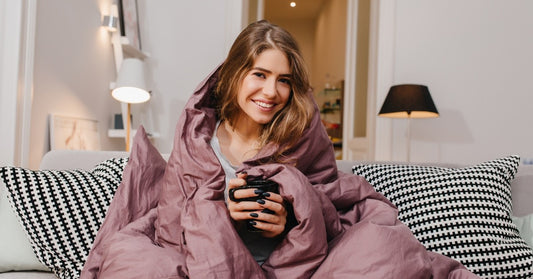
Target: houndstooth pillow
column 463, row 213
column 61, row 210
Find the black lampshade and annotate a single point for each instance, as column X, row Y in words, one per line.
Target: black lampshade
column 408, row 100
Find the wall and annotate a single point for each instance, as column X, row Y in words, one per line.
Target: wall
column 476, row 58
column 74, row 63
column 186, row 41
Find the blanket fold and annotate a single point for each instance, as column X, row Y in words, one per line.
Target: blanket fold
column 180, row 220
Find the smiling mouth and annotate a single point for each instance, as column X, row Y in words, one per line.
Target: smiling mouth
column 264, row 105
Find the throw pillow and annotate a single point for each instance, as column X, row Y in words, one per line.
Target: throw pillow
column 61, row 210
column 463, row 213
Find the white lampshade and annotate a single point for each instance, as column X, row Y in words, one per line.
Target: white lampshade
column 131, row 86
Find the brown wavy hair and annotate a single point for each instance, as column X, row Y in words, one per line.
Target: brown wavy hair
column 289, row 123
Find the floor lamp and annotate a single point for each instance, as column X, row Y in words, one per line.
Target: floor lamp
column 408, row 101
column 130, row 88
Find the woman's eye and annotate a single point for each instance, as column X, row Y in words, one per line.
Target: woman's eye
column 261, row 75
column 285, row 80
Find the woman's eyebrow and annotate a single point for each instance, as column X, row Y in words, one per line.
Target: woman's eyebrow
column 268, row 71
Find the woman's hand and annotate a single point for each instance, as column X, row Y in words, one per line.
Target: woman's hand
column 268, row 213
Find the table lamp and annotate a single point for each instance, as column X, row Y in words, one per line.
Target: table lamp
column 408, row 101
column 130, row 88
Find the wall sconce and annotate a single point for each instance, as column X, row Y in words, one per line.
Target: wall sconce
column 130, row 88
column 408, row 101
column 110, row 23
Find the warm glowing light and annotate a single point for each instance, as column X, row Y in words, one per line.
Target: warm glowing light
column 293, row 4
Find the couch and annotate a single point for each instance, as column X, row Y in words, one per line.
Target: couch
column 484, row 209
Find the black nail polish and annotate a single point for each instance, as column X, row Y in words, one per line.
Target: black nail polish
column 252, row 223
column 266, row 210
column 253, row 214
column 266, row 194
column 259, row 192
column 260, row 201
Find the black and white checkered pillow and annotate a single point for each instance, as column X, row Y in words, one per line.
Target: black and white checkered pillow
column 464, row 213
column 62, row 210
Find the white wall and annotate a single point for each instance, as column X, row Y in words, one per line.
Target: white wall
column 74, row 63
column 186, row 41
column 476, row 58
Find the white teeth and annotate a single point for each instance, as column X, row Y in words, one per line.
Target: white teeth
column 265, row 105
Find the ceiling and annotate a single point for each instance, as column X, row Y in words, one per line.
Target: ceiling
column 280, row 9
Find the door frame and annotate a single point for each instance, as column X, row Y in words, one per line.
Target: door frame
column 16, row 72
column 377, row 145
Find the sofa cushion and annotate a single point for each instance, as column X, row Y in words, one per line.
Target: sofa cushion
column 525, row 226
column 61, row 210
column 464, row 213
column 15, row 248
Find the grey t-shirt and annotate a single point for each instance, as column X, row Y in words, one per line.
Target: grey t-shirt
column 259, row 246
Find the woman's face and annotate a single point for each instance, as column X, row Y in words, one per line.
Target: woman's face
column 266, row 88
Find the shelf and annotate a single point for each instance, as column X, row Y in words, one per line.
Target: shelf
column 331, row 92
column 131, row 51
column 121, row 133
column 330, row 109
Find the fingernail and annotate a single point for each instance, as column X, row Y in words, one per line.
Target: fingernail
column 253, row 214
column 260, row 201
column 252, row 222
column 259, row 192
column 266, row 194
column 266, row 210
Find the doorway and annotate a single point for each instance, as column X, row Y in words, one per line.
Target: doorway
column 334, row 39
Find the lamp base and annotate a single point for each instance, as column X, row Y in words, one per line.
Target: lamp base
column 128, row 128
column 408, row 139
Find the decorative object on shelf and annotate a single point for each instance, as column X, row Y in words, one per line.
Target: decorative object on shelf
column 129, row 19
column 118, row 122
column 330, row 102
column 408, row 101
column 73, row 133
column 130, row 88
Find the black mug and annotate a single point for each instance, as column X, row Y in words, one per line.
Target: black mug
column 261, row 184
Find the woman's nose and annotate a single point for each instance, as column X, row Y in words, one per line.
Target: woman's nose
column 269, row 88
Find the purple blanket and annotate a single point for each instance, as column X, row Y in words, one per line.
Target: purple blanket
column 169, row 220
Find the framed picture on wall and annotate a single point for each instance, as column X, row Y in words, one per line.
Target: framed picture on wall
column 73, row 133
column 129, row 22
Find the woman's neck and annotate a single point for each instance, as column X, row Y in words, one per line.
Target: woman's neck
column 240, row 142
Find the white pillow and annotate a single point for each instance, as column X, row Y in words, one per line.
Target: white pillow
column 16, row 252
column 525, row 226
